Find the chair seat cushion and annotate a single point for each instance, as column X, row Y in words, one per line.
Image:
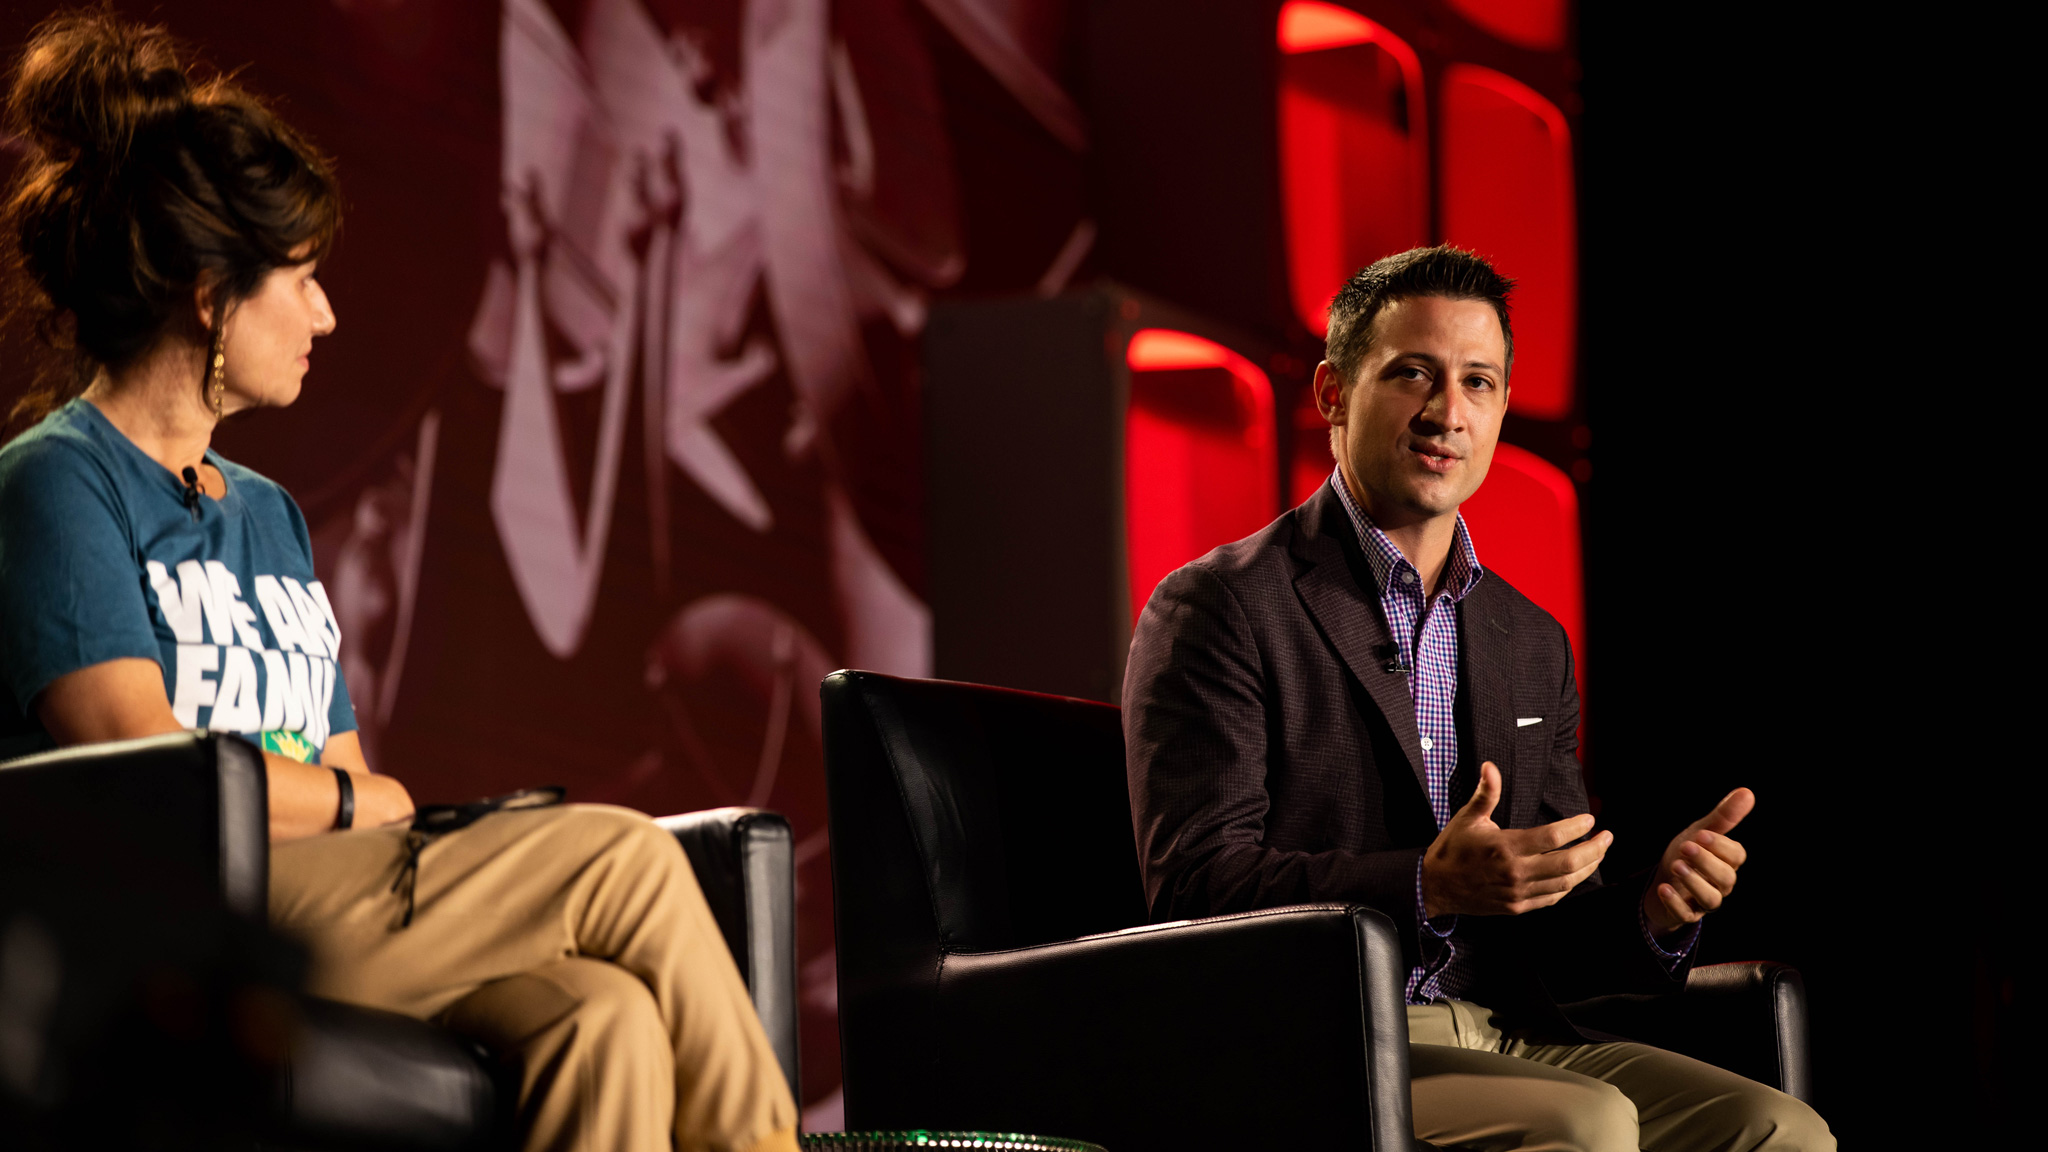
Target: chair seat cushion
column 360, row 1078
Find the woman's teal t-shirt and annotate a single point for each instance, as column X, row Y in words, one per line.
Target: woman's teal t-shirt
column 100, row 558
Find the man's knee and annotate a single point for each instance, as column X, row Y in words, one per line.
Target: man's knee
column 1763, row 1119
column 1795, row 1124
column 1552, row 1111
column 1594, row 1118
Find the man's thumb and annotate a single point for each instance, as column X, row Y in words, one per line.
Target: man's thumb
column 1730, row 811
column 1485, row 796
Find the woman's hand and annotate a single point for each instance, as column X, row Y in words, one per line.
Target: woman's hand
column 306, row 798
column 380, row 800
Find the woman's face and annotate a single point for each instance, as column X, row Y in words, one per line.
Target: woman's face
column 269, row 338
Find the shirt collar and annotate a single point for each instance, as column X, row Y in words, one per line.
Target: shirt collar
column 1387, row 562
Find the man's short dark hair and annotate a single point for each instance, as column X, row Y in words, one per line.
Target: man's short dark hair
column 1444, row 271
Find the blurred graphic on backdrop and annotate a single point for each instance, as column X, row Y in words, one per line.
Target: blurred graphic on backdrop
column 697, row 211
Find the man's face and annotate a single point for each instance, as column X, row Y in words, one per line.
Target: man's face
column 1416, row 430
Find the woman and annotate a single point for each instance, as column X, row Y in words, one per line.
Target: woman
column 169, row 234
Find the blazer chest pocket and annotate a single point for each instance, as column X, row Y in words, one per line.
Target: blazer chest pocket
column 1534, row 732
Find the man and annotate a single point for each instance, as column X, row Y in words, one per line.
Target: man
column 1348, row 707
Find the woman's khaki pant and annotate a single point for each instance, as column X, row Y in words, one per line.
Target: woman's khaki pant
column 574, row 943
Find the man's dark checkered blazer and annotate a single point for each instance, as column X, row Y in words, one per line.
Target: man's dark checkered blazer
column 1274, row 758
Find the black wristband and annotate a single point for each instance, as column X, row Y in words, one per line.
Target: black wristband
column 345, row 814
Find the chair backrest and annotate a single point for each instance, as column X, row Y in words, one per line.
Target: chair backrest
column 971, row 818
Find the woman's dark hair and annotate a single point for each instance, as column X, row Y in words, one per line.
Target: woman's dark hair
column 139, row 184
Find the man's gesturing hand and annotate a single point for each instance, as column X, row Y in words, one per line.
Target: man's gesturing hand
column 1477, row 867
column 1698, row 869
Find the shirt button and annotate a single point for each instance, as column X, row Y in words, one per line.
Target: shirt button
column 1427, row 744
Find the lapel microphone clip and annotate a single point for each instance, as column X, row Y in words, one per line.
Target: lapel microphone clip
column 1389, row 655
column 192, row 491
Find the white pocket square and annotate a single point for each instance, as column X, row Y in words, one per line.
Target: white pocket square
column 1525, row 721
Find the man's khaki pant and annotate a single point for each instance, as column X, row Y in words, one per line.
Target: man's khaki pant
column 575, row 944
column 1477, row 1088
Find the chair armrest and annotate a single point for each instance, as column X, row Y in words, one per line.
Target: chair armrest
column 1247, row 1031
column 1748, row 1017
column 184, row 814
column 132, row 849
column 745, row 862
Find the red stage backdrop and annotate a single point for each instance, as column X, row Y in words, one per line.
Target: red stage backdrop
column 614, row 453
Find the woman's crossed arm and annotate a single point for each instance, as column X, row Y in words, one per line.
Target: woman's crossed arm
column 123, row 699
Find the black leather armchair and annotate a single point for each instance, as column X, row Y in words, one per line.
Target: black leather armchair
column 180, row 823
column 996, row 969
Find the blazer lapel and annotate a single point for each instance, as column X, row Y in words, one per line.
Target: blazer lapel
column 1488, row 653
column 1352, row 620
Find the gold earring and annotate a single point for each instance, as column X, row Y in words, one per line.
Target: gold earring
column 220, row 369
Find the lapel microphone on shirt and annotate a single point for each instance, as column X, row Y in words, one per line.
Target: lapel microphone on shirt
column 192, row 491
column 1390, row 658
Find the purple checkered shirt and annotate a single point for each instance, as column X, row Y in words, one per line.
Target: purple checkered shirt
column 1426, row 632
